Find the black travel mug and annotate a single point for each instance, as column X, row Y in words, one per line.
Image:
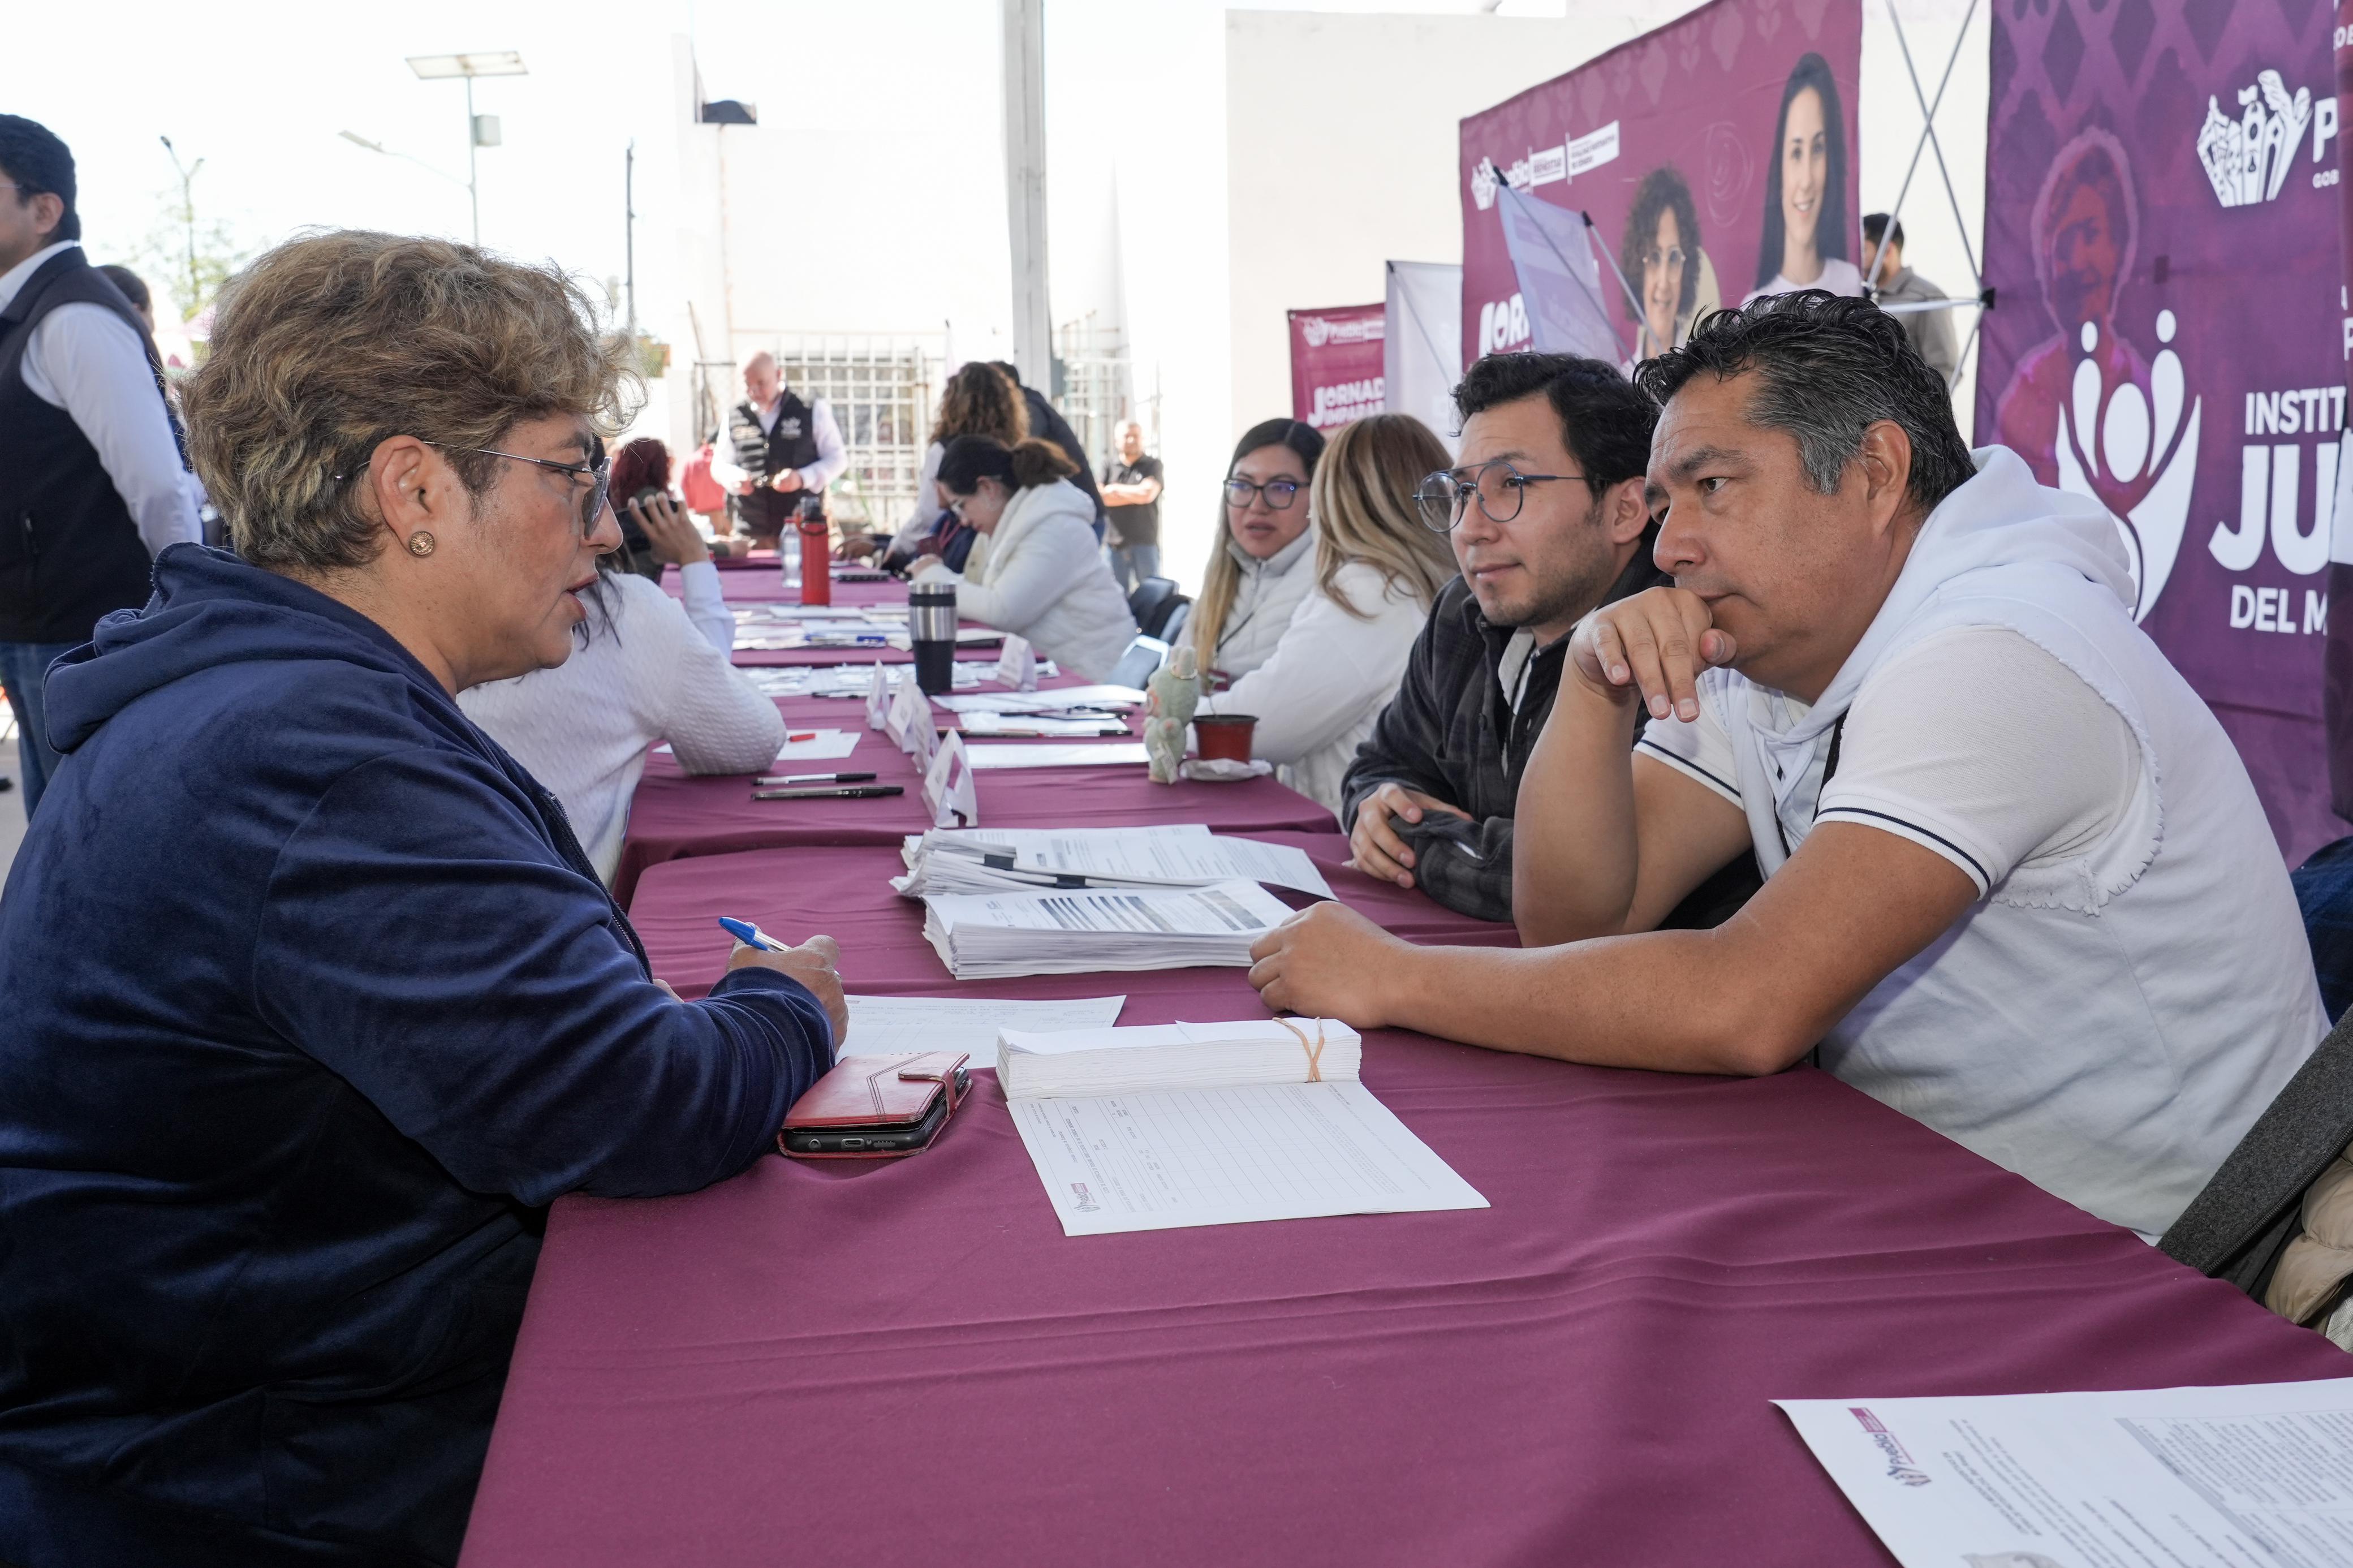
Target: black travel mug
column 931, row 625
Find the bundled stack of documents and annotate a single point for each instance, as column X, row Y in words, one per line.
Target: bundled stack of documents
column 849, row 681
column 1058, row 1064
column 1033, row 726
column 984, row 936
column 1103, row 697
column 1188, row 1124
column 1172, row 855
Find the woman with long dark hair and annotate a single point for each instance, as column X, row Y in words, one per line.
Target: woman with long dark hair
column 1804, row 241
column 1263, row 563
column 977, row 401
column 1044, row 577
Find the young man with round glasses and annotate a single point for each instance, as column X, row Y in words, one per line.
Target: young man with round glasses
column 1545, row 514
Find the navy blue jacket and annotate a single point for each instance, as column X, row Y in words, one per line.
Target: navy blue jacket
column 308, row 1002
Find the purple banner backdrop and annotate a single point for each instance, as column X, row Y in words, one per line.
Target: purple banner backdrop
column 1670, row 144
column 1336, row 363
column 2337, row 665
column 2161, row 224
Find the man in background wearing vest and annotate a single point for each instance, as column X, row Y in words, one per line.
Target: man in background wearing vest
column 92, row 485
column 788, row 448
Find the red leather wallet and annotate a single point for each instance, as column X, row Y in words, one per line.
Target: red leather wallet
column 875, row 1108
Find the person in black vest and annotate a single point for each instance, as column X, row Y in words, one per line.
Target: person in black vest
column 1046, row 423
column 93, row 482
column 789, row 447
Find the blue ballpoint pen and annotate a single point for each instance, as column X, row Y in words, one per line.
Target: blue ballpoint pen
column 751, row 935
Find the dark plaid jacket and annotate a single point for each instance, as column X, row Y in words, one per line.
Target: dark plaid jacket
column 1451, row 734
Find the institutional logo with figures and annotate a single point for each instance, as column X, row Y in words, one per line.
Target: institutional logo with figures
column 2247, row 159
column 2137, row 436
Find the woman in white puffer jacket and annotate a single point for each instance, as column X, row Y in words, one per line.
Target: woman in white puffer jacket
column 1044, row 577
column 1263, row 563
column 1376, row 572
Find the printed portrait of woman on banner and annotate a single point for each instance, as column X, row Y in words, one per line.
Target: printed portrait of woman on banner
column 1671, row 277
column 1804, row 241
column 2087, row 222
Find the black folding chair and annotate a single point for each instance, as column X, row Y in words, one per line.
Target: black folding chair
column 2237, row 1227
column 1154, row 600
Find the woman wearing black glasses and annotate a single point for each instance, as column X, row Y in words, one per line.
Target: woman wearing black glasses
column 1264, row 561
column 310, row 1002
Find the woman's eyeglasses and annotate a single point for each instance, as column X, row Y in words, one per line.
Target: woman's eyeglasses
column 1278, row 494
column 597, row 470
column 1500, row 490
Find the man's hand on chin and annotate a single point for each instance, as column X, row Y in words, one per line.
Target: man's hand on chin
column 1328, row 962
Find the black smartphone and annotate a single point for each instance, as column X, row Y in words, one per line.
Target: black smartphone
column 879, row 1138
column 830, row 792
column 1439, row 827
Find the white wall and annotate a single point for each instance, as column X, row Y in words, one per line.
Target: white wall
column 1347, row 124
column 1342, row 134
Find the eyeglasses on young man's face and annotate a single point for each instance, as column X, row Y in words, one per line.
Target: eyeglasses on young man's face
column 1278, row 494
column 597, row 470
column 1499, row 487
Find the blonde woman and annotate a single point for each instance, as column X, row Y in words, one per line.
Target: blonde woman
column 1261, row 565
column 1376, row 571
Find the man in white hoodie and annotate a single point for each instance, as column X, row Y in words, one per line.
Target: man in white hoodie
column 2018, row 884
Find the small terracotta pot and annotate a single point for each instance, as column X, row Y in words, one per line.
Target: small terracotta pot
column 1226, row 735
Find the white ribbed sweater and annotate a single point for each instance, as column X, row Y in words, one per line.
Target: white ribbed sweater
column 659, row 672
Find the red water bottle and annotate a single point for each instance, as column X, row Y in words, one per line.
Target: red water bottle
column 817, row 553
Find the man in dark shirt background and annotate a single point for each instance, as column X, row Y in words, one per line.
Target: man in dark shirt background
column 1131, row 493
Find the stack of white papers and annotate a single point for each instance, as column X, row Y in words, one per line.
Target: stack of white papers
column 1061, row 1064
column 891, row 1025
column 848, row 680
column 1033, row 726
column 1105, row 697
column 1171, row 855
column 1107, row 753
column 989, row 936
column 1213, row 1124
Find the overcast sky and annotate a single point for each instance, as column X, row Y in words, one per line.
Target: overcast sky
column 261, row 90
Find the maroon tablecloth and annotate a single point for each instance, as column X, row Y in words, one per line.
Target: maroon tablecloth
column 907, row 1363
column 673, row 815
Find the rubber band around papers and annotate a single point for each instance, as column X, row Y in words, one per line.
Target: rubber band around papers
column 1314, row 1052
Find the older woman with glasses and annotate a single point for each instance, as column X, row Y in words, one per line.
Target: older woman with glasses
column 1262, row 562
column 314, row 1002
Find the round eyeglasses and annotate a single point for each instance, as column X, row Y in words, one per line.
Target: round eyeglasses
column 1500, row 490
column 1278, row 494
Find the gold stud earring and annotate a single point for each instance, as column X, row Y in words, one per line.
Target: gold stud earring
column 420, row 543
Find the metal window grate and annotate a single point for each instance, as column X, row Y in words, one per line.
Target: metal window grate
column 1095, row 390
column 880, row 390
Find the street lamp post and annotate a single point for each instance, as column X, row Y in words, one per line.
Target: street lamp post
column 187, row 209
column 481, row 130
